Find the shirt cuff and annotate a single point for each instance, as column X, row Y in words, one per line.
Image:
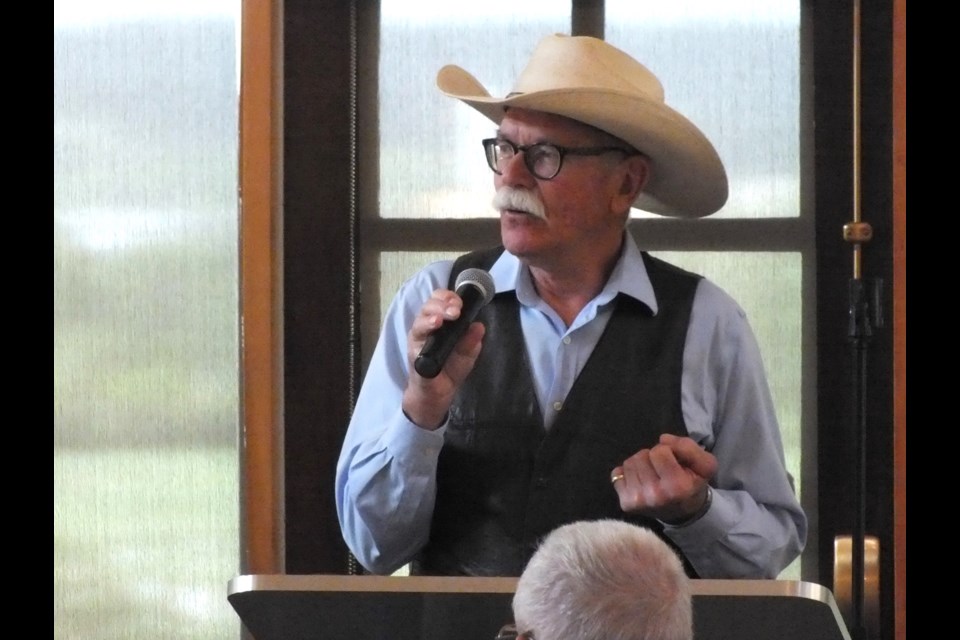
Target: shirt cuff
column 419, row 448
column 699, row 514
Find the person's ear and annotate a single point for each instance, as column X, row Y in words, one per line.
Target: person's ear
column 633, row 177
column 636, row 176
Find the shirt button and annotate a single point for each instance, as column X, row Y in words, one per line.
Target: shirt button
column 557, row 406
column 566, row 339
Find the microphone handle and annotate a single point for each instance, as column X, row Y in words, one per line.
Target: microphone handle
column 439, row 344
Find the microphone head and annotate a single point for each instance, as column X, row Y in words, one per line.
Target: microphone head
column 479, row 279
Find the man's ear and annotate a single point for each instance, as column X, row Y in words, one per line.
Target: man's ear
column 636, row 176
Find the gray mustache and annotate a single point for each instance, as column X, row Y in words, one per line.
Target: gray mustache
column 518, row 200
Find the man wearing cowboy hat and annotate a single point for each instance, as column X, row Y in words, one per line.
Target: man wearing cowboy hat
column 599, row 382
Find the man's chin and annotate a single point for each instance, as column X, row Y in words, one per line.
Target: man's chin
column 517, row 237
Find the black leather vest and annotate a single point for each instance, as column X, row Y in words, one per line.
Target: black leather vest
column 503, row 482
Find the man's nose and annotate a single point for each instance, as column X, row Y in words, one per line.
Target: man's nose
column 514, row 172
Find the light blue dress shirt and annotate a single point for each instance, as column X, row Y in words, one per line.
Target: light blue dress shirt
column 385, row 484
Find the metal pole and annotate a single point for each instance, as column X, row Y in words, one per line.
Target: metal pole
column 862, row 306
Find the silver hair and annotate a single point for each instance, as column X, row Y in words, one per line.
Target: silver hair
column 604, row 580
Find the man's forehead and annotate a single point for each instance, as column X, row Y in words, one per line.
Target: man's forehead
column 516, row 118
column 540, row 118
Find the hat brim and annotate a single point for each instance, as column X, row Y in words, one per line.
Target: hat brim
column 688, row 179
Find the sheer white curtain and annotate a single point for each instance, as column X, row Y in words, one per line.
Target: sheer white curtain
column 145, row 319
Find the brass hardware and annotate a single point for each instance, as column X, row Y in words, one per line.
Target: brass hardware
column 857, row 232
column 843, row 581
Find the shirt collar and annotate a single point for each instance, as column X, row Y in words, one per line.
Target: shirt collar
column 629, row 276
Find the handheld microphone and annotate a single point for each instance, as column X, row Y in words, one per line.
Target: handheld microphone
column 476, row 288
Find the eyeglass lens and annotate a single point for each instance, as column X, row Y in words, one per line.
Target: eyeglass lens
column 542, row 160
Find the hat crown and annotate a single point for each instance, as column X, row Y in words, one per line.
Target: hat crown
column 562, row 62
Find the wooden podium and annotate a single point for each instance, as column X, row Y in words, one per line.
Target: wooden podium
column 333, row 607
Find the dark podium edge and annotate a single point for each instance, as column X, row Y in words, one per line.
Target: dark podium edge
column 330, row 607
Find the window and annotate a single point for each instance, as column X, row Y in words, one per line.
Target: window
column 145, row 319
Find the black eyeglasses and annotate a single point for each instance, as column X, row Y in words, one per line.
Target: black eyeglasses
column 509, row 632
column 543, row 159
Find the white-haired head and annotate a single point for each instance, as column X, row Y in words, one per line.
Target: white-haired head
column 604, row 580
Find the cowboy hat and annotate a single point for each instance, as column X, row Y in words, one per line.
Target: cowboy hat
column 591, row 81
